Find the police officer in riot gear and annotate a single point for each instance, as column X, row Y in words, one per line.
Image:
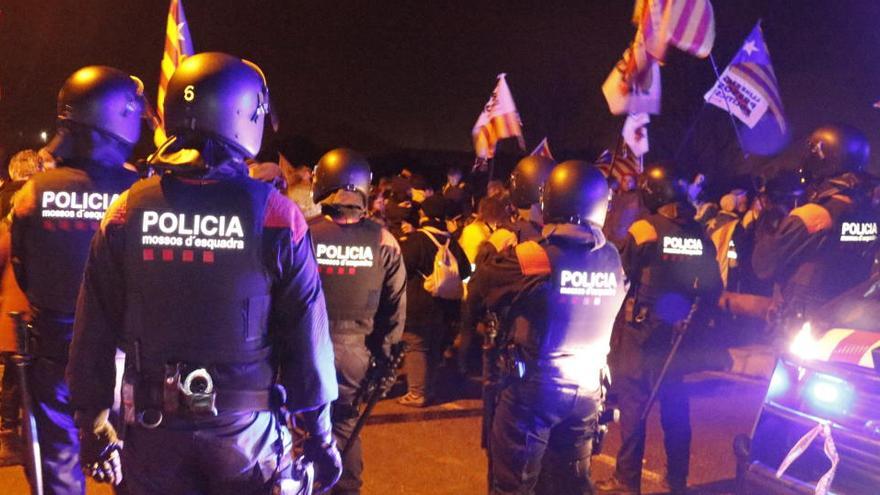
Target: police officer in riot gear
column 557, row 298
column 208, row 280
column 670, row 262
column 526, row 184
column 827, row 245
column 364, row 282
column 56, row 213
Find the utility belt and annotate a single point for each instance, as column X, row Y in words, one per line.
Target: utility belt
column 187, row 392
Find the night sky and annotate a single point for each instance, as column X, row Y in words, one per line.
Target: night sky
column 383, row 76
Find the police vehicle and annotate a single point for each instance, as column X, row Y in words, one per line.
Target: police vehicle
column 818, row 430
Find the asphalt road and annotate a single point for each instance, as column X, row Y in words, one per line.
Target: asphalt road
column 436, row 450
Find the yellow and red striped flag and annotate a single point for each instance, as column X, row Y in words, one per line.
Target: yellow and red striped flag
column 686, row 24
column 178, row 45
column 498, row 120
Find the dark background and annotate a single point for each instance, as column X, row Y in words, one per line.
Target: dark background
column 391, row 77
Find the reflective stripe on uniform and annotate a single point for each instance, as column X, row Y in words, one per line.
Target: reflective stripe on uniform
column 643, row 232
column 816, row 218
column 533, row 260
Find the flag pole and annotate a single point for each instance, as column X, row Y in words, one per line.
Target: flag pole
column 727, row 104
column 614, row 155
column 689, row 133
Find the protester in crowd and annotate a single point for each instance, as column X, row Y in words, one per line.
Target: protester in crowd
column 22, row 166
column 733, row 206
column 376, row 206
column 458, row 192
column 421, row 188
column 267, row 171
column 401, row 212
column 299, row 190
column 491, row 213
column 427, row 316
column 495, row 188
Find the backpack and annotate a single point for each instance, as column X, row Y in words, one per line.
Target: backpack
column 445, row 281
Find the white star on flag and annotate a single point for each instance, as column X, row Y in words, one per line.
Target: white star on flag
column 180, row 31
column 750, row 47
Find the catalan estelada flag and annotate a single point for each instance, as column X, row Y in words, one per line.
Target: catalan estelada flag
column 748, row 86
column 498, row 120
column 178, row 45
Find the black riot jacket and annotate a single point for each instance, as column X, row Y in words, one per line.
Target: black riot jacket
column 670, row 261
column 560, row 296
column 55, row 216
column 820, row 249
column 364, row 279
column 215, row 270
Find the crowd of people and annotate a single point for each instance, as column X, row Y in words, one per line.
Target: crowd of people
column 247, row 295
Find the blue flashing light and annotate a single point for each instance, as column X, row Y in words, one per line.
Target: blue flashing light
column 830, row 394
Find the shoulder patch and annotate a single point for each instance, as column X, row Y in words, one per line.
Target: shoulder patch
column 533, row 260
column 643, row 232
column 816, row 218
column 117, row 213
column 282, row 213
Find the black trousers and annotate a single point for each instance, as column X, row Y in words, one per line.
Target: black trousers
column 541, row 439
column 59, row 439
column 352, row 360
column 639, row 356
column 234, row 454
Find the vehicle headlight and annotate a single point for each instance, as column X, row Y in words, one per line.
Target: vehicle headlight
column 805, row 345
column 830, row 394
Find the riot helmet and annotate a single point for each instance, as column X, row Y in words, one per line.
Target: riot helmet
column 661, row 185
column 832, row 150
column 343, row 169
column 527, row 180
column 221, row 96
column 575, row 192
column 105, row 99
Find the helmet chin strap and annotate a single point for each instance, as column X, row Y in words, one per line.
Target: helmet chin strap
column 193, row 153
